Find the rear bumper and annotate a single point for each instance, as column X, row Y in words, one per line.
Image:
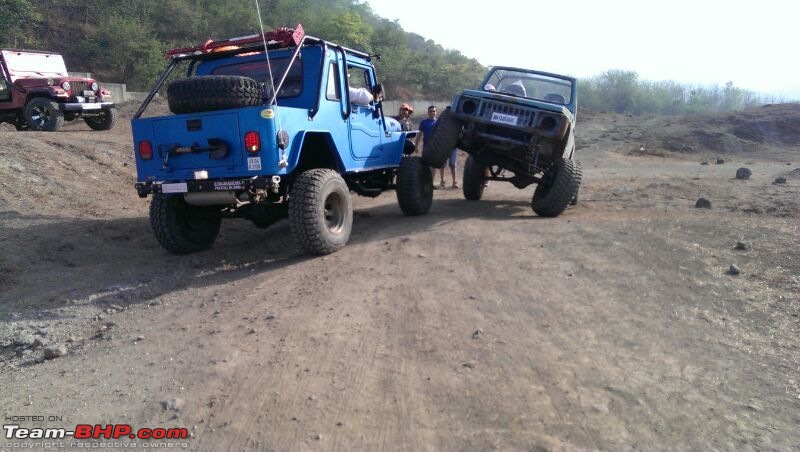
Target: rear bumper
column 199, row 186
column 87, row 107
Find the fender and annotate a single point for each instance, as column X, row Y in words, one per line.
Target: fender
column 43, row 92
column 400, row 145
column 323, row 156
column 569, row 146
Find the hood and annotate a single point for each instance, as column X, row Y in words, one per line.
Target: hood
column 393, row 125
column 36, row 82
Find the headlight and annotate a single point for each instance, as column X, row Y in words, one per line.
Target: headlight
column 50, row 82
column 95, row 86
column 469, row 107
column 548, row 123
column 65, row 85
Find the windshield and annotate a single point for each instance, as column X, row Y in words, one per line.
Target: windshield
column 258, row 70
column 27, row 64
column 530, row 86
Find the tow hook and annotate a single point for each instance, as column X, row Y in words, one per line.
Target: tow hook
column 275, row 184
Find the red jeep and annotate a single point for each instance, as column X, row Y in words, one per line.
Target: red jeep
column 37, row 93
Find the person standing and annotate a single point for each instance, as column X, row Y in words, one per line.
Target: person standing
column 404, row 118
column 426, row 129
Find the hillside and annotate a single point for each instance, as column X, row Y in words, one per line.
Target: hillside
column 124, row 42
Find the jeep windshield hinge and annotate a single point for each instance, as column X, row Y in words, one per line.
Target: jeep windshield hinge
column 313, row 112
column 346, row 90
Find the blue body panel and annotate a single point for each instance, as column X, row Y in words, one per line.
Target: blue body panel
column 359, row 142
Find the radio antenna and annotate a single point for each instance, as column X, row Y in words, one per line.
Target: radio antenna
column 266, row 50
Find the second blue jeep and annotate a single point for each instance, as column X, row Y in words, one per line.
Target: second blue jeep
column 266, row 127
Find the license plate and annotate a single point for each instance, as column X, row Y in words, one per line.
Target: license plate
column 504, row 119
column 254, row 163
column 174, row 188
column 91, row 106
column 80, row 99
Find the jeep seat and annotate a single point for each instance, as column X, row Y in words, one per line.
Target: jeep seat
column 557, row 98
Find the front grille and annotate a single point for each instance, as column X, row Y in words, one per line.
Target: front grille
column 78, row 87
column 525, row 117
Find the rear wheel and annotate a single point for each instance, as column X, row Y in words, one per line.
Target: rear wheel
column 182, row 228
column 443, row 139
column 414, row 186
column 558, row 187
column 105, row 120
column 43, row 114
column 320, row 211
column 474, row 178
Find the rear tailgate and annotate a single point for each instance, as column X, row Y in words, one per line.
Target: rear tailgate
column 198, row 141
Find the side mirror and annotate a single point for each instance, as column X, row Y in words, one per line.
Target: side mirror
column 377, row 92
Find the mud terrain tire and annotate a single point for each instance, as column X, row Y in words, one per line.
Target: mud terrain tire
column 180, row 227
column 443, row 139
column 575, row 199
column 320, row 211
column 105, row 120
column 474, row 178
column 558, row 187
column 414, row 186
column 43, row 114
column 212, row 92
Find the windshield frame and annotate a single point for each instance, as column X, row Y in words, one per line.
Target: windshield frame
column 561, row 84
column 27, row 64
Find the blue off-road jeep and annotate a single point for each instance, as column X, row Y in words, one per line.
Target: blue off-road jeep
column 518, row 121
column 267, row 127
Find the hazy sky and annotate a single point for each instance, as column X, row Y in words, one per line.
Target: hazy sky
column 754, row 44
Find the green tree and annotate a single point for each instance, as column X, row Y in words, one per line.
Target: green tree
column 18, row 20
column 126, row 47
column 617, row 89
column 349, row 30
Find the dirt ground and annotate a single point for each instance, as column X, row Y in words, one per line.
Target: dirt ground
column 479, row 326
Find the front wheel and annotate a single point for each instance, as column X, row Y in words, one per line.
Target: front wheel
column 414, row 186
column 443, row 139
column 558, row 187
column 182, row 228
column 474, row 179
column 320, row 211
column 105, row 120
column 43, row 114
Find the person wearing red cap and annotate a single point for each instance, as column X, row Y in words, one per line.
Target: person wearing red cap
column 404, row 118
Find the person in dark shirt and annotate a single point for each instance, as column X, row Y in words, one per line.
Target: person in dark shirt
column 404, row 118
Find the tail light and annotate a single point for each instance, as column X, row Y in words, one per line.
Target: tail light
column 145, row 150
column 252, row 141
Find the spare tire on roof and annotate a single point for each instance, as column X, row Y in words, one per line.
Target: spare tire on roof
column 212, row 92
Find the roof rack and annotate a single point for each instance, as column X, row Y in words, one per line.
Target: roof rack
column 280, row 38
